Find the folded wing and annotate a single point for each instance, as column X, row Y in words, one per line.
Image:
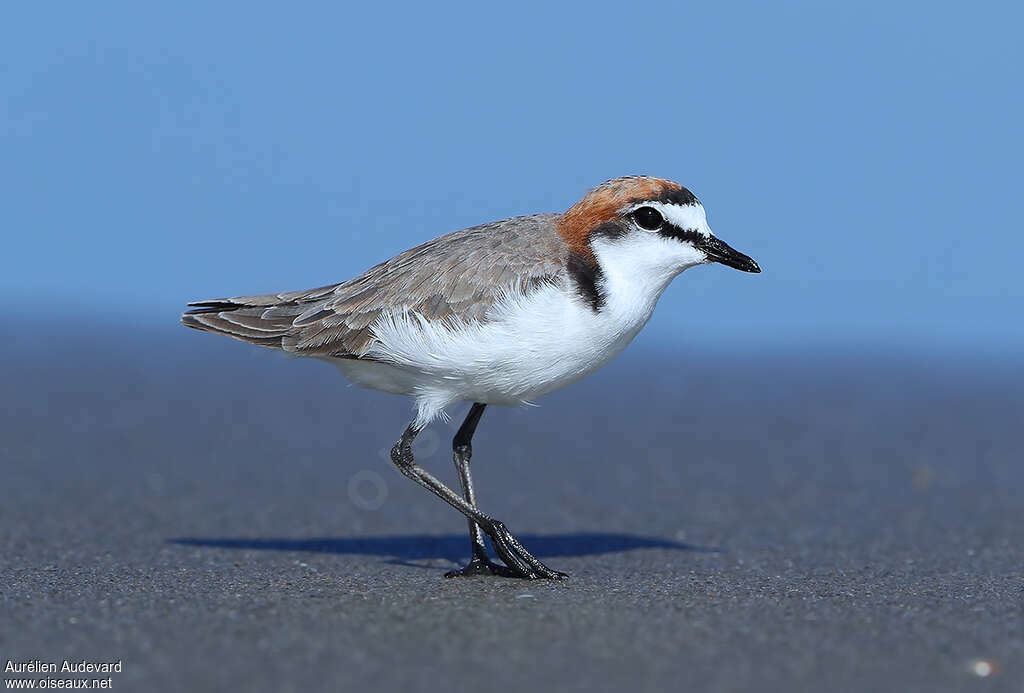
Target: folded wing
column 459, row 275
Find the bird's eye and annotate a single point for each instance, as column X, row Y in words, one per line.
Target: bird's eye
column 649, row 218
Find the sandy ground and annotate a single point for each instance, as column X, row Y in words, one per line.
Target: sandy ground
column 219, row 518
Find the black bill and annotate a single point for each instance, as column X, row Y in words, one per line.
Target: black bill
column 719, row 251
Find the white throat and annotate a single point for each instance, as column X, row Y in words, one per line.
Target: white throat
column 638, row 267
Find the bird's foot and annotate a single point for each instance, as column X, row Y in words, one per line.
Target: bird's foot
column 521, row 563
column 481, row 566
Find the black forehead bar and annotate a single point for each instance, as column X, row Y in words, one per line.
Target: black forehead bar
column 681, row 196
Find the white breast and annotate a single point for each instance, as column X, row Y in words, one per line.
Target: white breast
column 530, row 345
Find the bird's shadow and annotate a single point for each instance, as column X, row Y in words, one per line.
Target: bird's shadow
column 405, row 549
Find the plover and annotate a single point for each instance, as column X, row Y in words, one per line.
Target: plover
column 495, row 314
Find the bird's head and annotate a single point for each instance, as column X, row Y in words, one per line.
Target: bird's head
column 650, row 225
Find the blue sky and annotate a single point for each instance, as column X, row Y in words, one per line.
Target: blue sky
column 867, row 155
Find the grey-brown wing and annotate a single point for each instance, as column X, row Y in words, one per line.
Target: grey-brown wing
column 457, row 275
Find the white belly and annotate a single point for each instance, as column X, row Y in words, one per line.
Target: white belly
column 530, row 345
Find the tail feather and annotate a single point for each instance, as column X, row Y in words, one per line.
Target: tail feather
column 242, row 318
column 302, row 322
column 215, row 306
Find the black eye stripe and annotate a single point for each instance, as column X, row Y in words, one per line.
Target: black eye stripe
column 692, row 235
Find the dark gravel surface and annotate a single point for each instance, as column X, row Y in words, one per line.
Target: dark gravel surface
column 220, row 518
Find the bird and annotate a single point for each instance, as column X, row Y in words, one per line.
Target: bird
column 496, row 314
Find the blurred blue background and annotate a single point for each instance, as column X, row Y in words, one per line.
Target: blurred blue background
column 868, row 156
column 839, row 471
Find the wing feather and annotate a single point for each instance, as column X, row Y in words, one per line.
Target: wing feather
column 458, row 275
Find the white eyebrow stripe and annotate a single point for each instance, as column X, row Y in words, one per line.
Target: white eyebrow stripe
column 686, row 217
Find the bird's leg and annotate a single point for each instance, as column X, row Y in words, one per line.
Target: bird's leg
column 462, row 450
column 521, row 563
